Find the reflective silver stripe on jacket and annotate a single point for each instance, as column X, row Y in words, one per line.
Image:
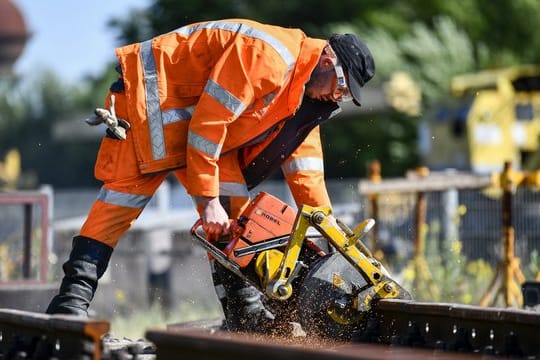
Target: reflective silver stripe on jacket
column 300, row 164
column 233, row 189
column 248, row 31
column 204, row 145
column 123, row 199
column 174, row 115
column 156, row 118
column 225, row 98
column 153, row 110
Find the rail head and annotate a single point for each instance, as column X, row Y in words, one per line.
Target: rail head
column 43, row 336
column 499, row 331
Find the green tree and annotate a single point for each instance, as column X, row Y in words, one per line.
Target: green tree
column 350, row 144
column 503, row 25
column 167, row 15
column 29, row 111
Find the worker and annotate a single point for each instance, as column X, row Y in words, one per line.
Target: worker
column 221, row 105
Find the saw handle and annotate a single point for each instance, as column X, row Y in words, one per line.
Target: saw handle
column 217, row 254
column 234, row 229
column 207, row 245
column 194, row 229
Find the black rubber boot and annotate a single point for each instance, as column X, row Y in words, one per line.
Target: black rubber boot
column 86, row 265
column 242, row 304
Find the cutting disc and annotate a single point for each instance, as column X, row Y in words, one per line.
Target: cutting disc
column 329, row 296
column 326, row 298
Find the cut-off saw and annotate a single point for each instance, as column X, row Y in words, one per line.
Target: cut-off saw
column 308, row 263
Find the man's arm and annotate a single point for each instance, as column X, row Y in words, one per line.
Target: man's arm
column 304, row 172
column 231, row 88
column 214, row 218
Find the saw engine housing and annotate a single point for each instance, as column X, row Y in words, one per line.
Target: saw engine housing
column 266, row 219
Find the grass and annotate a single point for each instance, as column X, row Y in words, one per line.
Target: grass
column 134, row 325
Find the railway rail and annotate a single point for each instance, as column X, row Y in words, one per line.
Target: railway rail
column 395, row 329
column 26, row 335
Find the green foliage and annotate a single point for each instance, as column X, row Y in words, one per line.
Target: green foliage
column 29, row 110
column 455, row 278
column 533, row 269
column 482, row 20
column 167, row 15
column 432, row 56
column 436, row 56
column 504, row 26
column 350, row 144
column 12, row 253
column 133, row 324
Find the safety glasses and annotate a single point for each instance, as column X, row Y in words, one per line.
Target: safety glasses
column 342, row 92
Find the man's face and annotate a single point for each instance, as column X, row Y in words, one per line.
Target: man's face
column 323, row 80
column 328, row 81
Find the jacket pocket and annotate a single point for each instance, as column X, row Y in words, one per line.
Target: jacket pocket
column 185, row 90
column 115, row 160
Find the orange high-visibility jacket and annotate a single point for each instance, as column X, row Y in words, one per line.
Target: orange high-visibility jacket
column 208, row 88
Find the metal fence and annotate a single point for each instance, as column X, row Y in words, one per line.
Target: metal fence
column 24, row 231
column 472, row 216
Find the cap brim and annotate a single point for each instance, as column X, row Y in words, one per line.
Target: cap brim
column 355, row 87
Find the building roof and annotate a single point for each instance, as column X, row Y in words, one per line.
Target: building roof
column 13, row 34
column 11, row 20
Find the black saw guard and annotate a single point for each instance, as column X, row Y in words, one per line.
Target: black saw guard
column 328, row 297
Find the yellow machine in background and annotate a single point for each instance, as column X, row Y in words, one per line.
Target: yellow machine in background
column 494, row 117
column 10, row 170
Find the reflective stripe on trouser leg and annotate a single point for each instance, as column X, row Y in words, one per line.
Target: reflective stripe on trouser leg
column 115, row 208
column 107, row 223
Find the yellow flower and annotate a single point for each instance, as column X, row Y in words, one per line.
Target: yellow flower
column 455, row 248
column 466, row 298
column 408, row 273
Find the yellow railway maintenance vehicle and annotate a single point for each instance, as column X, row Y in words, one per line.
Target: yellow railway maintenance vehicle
column 494, row 117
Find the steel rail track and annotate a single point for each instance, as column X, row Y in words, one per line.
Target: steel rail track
column 454, row 327
column 395, row 329
column 205, row 344
column 28, row 335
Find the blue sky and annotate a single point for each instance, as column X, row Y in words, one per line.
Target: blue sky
column 70, row 37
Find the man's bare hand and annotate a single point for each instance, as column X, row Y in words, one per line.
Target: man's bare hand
column 215, row 221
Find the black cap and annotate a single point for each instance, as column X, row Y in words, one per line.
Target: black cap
column 356, row 60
